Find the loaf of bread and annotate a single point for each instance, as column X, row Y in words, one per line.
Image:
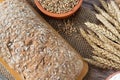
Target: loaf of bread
column 30, row 49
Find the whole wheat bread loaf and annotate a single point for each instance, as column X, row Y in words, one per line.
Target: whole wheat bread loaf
column 30, row 49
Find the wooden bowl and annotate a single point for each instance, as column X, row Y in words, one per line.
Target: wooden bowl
column 56, row 15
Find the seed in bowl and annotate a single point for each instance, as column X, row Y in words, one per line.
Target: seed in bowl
column 58, row 6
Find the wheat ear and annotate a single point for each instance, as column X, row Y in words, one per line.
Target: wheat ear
column 92, row 41
column 104, row 39
column 105, row 54
column 93, row 62
column 108, row 25
column 108, row 17
column 116, row 9
column 85, row 35
column 103, row 45
column 101, row 30
column 109, row 63
column 104, row 4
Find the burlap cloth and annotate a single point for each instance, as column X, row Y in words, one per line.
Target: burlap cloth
column 69, row 29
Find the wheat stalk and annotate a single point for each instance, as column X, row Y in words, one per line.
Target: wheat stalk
column 108, row 25
column 111, row 10
column 105, row 37
column 101, row 30
column 85, row 35
column 109, row 63
column 91, row 61
column 108, row 17
column 108, row 41
column 92, row 40
column 116, row 9
column 105, row 54
column 114, row 55
column 104, row 4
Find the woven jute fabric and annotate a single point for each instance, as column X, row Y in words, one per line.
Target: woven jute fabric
column 69, row 29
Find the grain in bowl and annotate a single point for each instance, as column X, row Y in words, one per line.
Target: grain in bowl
column 58, row 6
